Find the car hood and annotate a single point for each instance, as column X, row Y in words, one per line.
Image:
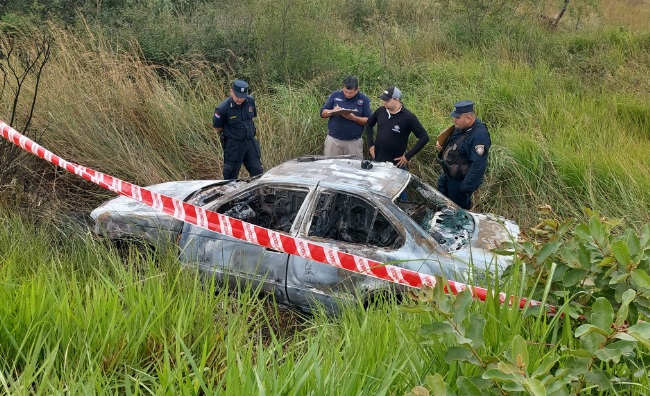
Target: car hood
column 124, row 217
column 468, row 238
column 177, row 189
column 491, row 230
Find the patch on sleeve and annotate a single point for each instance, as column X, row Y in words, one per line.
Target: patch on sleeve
column 480, row 149
column 217, row 115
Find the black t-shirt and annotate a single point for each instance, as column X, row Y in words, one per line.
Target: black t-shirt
column 393, row 132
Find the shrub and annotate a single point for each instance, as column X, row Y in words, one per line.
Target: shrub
column 596, row 278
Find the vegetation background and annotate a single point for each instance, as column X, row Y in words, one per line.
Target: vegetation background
column 128, row 88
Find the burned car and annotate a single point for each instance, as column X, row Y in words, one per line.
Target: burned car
column 372, row 210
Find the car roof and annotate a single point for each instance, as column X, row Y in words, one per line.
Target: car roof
column 342, row 173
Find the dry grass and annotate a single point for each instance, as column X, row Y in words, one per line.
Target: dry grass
column 634, row 14
column 105, row 108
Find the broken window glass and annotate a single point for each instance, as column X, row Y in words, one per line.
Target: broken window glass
column 347, row 218
column 274, row 208
column 450, row 227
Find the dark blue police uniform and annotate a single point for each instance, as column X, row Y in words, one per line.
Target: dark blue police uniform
column 340, row 127
column 466, row 152
column 238, row 137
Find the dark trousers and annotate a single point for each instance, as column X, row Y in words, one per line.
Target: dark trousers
column 450, row 188
column 238, row 152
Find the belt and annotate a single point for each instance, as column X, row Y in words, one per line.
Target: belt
column 240, row 140
column 345, row 140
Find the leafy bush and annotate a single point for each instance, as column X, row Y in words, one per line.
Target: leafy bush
column 580, row 262
column 598, row 281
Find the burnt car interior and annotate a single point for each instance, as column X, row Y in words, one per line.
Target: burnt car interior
column 270, row 207
column 450, row 227
column 347, row 218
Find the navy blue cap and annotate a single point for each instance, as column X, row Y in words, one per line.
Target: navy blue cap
column 240, row 88
column 462, row 107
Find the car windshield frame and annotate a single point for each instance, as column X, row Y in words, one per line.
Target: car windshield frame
column 435, row 215
column 259, row 184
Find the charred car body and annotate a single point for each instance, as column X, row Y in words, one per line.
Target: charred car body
column 379, row 212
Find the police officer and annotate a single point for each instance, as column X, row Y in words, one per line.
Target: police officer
column 463, row 155
column 233, row 121
column 344, row 130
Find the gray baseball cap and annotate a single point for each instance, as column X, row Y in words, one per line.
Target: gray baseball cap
column 391, row 92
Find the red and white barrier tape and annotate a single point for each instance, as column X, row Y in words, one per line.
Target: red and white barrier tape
column 249, row 232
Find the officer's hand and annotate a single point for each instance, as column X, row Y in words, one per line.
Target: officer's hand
column 438, row 146
column 329, row 112
column 401, row 161
column 372, row 151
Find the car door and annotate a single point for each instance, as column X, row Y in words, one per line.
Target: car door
column 349, row 223
column 229, row 259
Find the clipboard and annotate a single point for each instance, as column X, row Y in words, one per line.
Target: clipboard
column 444, row 135
column 343, row 111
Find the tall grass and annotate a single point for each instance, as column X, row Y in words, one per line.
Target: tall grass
column 117, row 104
column 568, row 114
column 567, row 110
column 76, row 319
